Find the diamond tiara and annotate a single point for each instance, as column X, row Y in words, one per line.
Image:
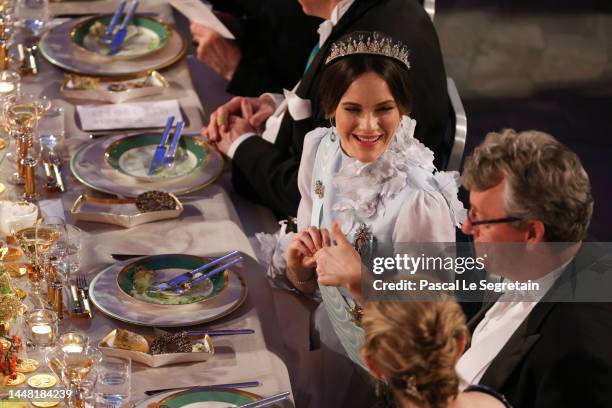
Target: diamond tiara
column 366, row 43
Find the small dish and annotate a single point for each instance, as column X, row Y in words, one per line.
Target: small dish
column 156, row 360
column 159, row 268
column 145, row 36
column 111, row 90
column 122, row 212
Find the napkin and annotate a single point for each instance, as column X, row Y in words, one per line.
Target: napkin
column 132, row 115
column 198, row 12
column 52, row 208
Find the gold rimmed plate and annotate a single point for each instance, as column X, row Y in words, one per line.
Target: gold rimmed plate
column 57, row 46
column 145, row 36
column 208, row 398
column 91, row 167
column 137, row 276
column 108, row 297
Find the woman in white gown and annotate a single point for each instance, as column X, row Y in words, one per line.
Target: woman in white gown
column 368, row 174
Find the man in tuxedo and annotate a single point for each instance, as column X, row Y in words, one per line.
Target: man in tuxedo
column 266, row 159
column 273, row 41
column 544, row 348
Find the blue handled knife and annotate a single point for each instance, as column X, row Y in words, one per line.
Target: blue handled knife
column 160, row 150
column 107, row 38
column 120, row 36
column 169, row 159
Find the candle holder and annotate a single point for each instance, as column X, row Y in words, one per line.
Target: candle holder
column 42, row 328
column 73, row 342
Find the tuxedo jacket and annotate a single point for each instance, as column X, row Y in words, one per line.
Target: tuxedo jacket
column 561, row 355
column 267, row 173
column 275, row 42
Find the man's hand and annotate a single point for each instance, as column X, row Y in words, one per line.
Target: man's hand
column 256, row 110
column 217, row 52
column 236, row 127
column 339, row 265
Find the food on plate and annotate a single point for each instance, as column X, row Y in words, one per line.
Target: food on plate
column 155, row 201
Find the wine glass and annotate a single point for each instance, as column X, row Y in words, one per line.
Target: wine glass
column 75, row 366
column 21, row 113
column 114, row 382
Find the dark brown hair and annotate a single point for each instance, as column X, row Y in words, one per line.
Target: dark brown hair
column 340, row 74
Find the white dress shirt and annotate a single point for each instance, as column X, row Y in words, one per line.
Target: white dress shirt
column 298, row 108
column 498, row 325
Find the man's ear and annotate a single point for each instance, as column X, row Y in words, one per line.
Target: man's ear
column 536, row 231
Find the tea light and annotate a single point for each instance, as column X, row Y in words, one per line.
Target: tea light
column 72, row 348
column 9, row 83
column 43, row 327
column 73, row 342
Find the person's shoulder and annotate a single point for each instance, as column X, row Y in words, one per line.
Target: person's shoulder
column 477, row 399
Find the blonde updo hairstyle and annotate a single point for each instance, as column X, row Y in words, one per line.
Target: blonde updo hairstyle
column 415, row 346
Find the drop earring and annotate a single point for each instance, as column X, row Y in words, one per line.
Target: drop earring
column 332, row 136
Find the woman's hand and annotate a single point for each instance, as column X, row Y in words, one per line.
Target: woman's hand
column 300, row 256
column 339, row 265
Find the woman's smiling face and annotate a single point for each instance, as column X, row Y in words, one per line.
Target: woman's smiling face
column 366, row 118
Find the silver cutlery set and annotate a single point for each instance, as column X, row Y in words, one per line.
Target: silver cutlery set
column 52, row 164
column 164, row 157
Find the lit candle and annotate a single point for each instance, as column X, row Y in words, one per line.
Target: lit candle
column 72, row 348
column 42, row 334
column 6, row 88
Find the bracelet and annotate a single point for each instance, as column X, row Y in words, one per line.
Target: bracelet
column 305, row 281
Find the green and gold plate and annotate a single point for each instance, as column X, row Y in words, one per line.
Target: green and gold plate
column 136, row 277
column 132, row 156
column 208, row 398
column 145, row 36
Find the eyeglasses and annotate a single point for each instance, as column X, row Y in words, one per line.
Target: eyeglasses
column 492, row 221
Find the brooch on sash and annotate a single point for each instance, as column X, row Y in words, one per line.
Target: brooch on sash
column 319, row 189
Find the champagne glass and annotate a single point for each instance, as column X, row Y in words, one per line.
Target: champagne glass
column 21, row 113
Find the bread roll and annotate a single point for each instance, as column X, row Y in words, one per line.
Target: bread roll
column 130, row 341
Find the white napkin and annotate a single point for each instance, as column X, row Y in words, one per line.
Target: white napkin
column 132, row 115
column 52, row 208
column 201, row 13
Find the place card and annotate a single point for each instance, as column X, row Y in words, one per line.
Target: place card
column 198, row 12
column 134, row 115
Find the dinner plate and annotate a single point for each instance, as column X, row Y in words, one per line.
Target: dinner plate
column 57, row 46
column 162, row 268
column 144, row 36
column 132, row 156
column 106, row 295
column 208, row 398
column 92, row 168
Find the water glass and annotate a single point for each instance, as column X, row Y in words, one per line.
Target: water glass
column 42, row 327
column 73, row 342
column 33, row 15
column 114, row 382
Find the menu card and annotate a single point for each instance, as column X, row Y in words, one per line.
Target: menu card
column 134, row 115
column 198, row 12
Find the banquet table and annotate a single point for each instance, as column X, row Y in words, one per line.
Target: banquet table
column 216, row 223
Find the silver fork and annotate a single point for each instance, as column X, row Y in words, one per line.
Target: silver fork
column 81, row 283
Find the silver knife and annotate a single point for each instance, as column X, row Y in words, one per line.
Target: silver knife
column 265, row 402
column 58, row 176
column 120, row 36
column 76, row 305
column 169, row 159
column 160, row 150
column 107, row 38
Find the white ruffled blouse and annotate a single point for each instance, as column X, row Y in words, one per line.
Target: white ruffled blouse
column 400, row 196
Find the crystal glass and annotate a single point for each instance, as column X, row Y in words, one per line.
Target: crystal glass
column 21, row 114
column 76, row 369
column 7, row 23
column 114, row 382
column 73, row 341
column 33, row 15
column 42, row 327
